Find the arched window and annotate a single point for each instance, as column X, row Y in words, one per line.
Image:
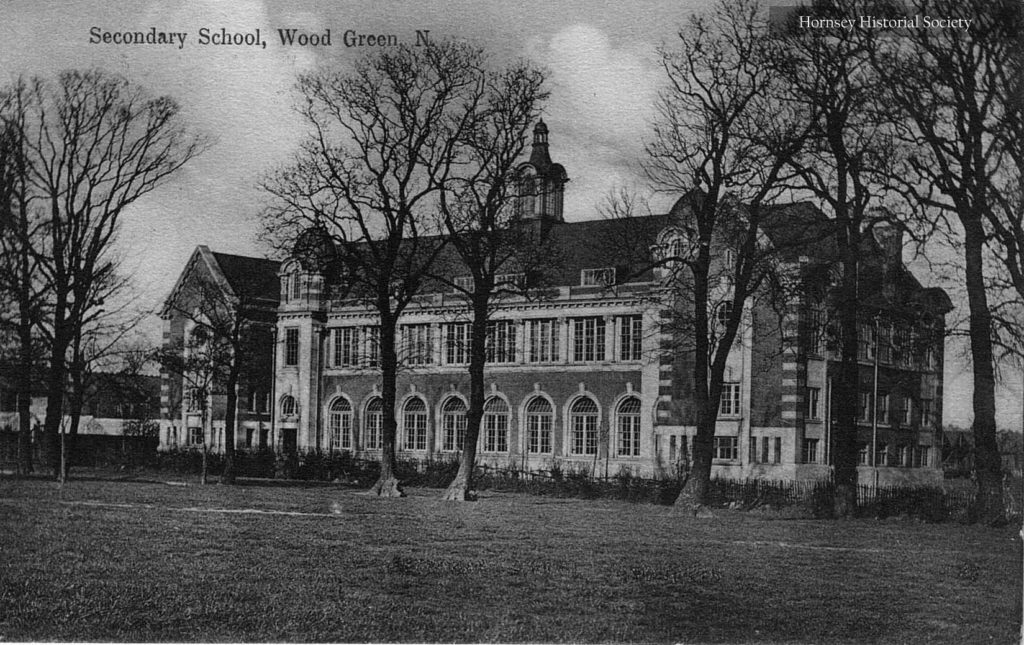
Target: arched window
column 723, row 312
column 339, row 420
column 289, row 408
column 628, row 423
column 415, row 424
column 583, row 421
column 538, row 426
column 373, row 420
column 495, row 425
column 453, row 424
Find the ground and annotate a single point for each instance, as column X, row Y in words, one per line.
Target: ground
column 158, row 561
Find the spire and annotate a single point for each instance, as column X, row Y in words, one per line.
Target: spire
column 539, row 157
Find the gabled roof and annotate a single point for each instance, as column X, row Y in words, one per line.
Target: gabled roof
column 255, row 277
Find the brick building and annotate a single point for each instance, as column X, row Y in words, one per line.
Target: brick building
column 594, row 376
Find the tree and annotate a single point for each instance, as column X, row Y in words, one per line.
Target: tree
column 477, row 209
column 722, row 137
column 364, row 189
column 845, row 165
column 94, row 143
column 959, row 91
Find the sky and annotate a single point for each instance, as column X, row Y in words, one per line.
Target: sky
column 601, row 56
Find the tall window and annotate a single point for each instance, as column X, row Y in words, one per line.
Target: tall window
column 583, row 421
column 339, row 421
column 726, row 448
column 196, row 400
column 817, row 332
column 588, row 339
column 416, row 341
column 866, row 341
column 810, row 451
column 346, row 347
column 926, row 413
column 882, row 455
column 456, row 343
column 291, row 346
column 905, row 411
column 883, row 408
column 296, row 285
column 543, row 340
column 371, row 336
column 538, row 426
column 289, row 408
column 453, row 424
column 628, row 422
column 777, row 453
column 729, row 405
column 373, row 421
column 865, row 407
column 415, row 424
column 630, row 337
column 814, row 403
column 495, row 424
column 501, row 341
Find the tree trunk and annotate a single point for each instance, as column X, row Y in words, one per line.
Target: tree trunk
column 987, row 463
column 460, row 488
column 387, row 484
column 846, row 387
column 55, row 399
column 694, row 494
column 228, row 475
column 24, row 385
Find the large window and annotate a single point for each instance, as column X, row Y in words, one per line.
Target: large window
column 583, row 423
column 588, row 339
column 372, row 351
column 726, row 448
column 543, row 340
column 339, row 421
column 373, row 421
column 415, row 424
column 810, row 451
column 729, row 405
column 865, row 407
column 630, row 337
column 495, row 425
column 813, row 403
column 417, row 345
column 346, row 347
column 291, row 346
column 926, row 413
column 538, row 426
column 628, row 424
column 883, row 408
column 453, row 424
column 501, row 341
column 456, row 343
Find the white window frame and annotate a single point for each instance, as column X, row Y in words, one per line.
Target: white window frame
column 544, row 340
column 453, row 424
column 631, row 335
column 539, row 426
column 456, row 343
column 602, row 277
column 730, row 400
column 415, row 424
column 726, row 448
column 501, row 342
column 417, row 344
column 494, row 425
column 627, row 424
column 373, row 423
column 589, row 335
column 583, row 424
column 345, row 347
column 339, row 423
column 814, row 403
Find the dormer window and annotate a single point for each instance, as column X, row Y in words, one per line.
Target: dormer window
column 603, row 277
column 463, row 283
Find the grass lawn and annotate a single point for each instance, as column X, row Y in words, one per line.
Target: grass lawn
column 106, row 560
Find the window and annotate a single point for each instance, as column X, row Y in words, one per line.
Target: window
column 884, row 343
column 883, row 408
column 456, row 343
column 810, row 451
column 814, row 403
column 538, row 426
column 373, row 421
column 251, row 400
column 196, row 437
column 463, row 283
column 583, row 422
column 777, row 453
column 416, row 341
column 628, row 422
column 866, row 341
column 339, row 421
column 195, row 400
column 631, row 330
column 817, row 332
column 729, row 259
column 588, row 339
column 510, row 281
column 453, row 424
column 495, row 425
column 543, row 340
column 921, row 457
column 730, row 401
column 289, row 408
column 903, row 455
column 882, row 455
column 926, row 413
column 726, row 448
column 865, row 407
column 764, row 450
column 372, row 351
column 291, row 346
column 906, row 411
column 296, row 285
column 862, row 455
column 603, row 277
column 346, row 347
column 501, row 341
column 722, row 313
column 415, row 424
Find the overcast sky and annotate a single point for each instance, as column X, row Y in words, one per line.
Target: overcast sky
column 601, row 56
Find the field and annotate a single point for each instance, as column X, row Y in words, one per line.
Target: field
column 149, row 561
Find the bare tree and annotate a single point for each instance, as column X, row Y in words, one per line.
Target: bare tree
column 382, row 146
column 960, row 90
column 94, row 143
column 478, row 214
column 723, row 137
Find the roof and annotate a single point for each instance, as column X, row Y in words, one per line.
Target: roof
column 255, row 277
